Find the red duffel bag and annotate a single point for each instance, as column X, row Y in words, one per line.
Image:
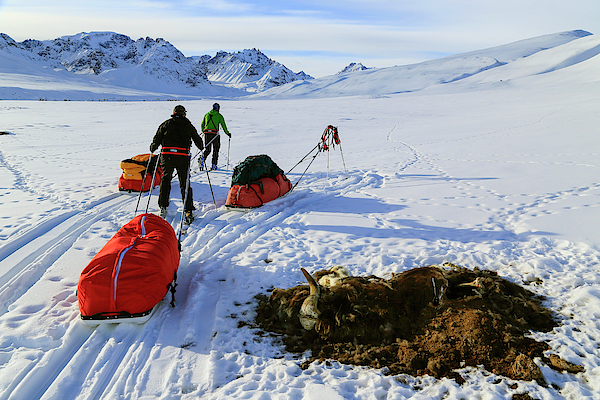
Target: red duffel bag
column 132, row 272
column 258, row 193
column 134, row 173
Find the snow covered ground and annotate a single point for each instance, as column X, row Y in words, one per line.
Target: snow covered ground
column 499, row 170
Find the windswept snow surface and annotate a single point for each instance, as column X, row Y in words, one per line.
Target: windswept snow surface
column 497, row 174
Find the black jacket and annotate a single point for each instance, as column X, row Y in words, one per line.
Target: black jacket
column 177, row 131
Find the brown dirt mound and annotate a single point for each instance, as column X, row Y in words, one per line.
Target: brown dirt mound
column 408, row 326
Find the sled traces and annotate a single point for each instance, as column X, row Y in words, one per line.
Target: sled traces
column 26, row 258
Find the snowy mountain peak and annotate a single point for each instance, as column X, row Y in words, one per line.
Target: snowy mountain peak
column 249, row 69
column 6, row 40
column 352, row 67
column 155, row 64
column 108, row 65
column 98, row 52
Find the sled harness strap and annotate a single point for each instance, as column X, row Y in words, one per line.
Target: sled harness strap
column 210, row 121
column 175, row 151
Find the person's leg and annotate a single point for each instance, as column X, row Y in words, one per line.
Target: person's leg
column 165, row 182
column 207, row 138
column 182, row 172
column 216, row 148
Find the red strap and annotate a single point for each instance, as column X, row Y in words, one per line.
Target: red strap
column 175, row 151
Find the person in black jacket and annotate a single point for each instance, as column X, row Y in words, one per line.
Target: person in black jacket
column 175, row 135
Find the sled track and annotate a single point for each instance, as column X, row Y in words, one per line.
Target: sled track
column 112, row 361
column 36, row 249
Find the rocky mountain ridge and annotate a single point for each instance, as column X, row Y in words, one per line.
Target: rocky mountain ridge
column 249, row 69
column 114, row 58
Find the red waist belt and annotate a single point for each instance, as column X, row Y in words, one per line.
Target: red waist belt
column 175, row 151
column 211, row 131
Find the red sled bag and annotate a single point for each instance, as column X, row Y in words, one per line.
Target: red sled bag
column 134, row 170
column 131, row 274
column 256, row 181
column 258, row 193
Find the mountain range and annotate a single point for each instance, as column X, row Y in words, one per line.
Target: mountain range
column 113, row 59
column 110, row 66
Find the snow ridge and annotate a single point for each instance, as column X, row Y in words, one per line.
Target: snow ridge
column 116, row 59
column 250, row 69
column 101, row 52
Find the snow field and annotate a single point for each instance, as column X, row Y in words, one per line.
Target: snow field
column 501, row 176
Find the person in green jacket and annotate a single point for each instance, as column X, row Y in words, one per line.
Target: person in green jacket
column 210, row 128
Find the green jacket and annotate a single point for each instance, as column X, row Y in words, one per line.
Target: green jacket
column 211, row 121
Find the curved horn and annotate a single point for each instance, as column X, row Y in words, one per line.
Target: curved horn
column 314, row 286
column 309, row 311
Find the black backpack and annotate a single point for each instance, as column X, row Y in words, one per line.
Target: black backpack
column 254, row 168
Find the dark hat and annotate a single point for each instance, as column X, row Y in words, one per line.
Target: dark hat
column 216, row 106
column 179, row 110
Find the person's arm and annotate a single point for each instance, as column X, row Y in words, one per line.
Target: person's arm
column 203, row 124
column 224, row 126
column 196, row 138
column 158, row 138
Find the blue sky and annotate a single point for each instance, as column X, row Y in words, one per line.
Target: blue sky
column 318, row 37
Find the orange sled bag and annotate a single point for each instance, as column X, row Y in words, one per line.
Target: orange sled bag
column 134, row 170
column 256, row 181
column 132, row 272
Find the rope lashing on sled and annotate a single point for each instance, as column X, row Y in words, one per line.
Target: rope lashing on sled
column 329, row 139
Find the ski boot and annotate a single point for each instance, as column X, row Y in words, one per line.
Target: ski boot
column 189, row 217
column 163, row 212
column 214, row 167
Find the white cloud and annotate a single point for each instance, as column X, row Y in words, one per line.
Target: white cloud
column 375, row 32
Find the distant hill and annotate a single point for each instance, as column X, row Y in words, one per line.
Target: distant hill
column 433, row 73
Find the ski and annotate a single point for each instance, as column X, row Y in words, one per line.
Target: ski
column 140, row 318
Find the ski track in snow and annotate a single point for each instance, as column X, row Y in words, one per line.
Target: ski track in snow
column 117, row 361
column 411, row 199
column 510, row 217
column 101, row 356
column 38, row 247
column 109, row 360
column 113, row 361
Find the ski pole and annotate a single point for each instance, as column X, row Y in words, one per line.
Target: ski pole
column 328, row 165
column 206, row 146
column 343, row 162
column 197, row 154
column 298, row 181
column 143, row 181
column 303, row 158
column 212, row 140
column 228, row 147
column 211, row 189
column 151, row 185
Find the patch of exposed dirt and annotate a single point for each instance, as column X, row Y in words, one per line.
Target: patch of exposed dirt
column 405, row 324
